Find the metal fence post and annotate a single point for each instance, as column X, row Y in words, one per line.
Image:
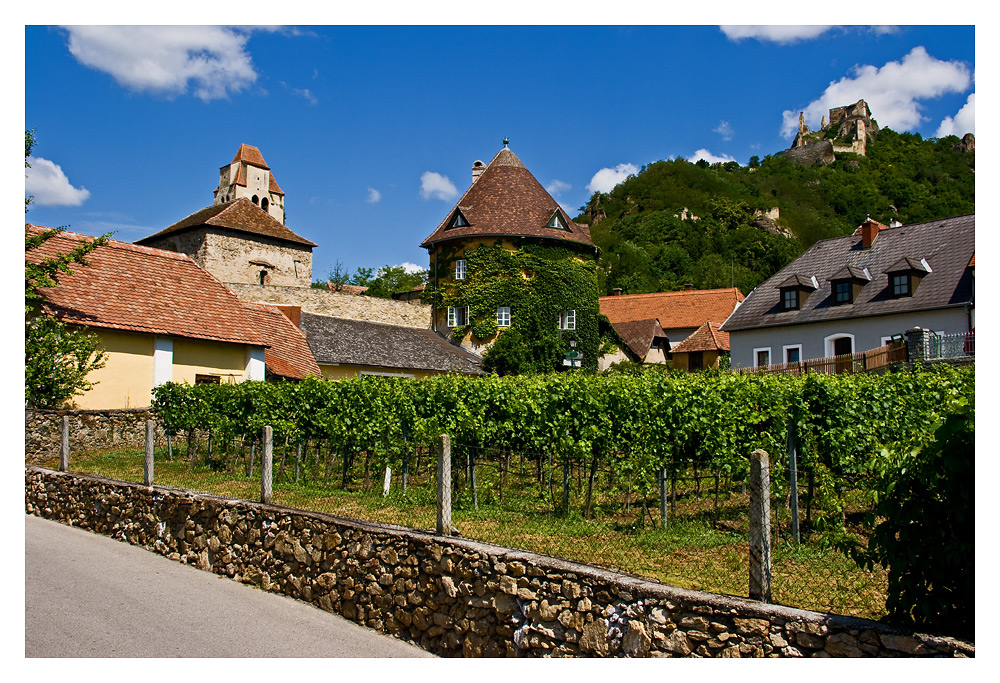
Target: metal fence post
column 266, row 465
column 64, row 448
column 147, row 472
column 444, row 486
column 793, row 480
column 760, row 526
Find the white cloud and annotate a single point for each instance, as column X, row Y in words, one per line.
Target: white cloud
column 709, row 157
column 606, row 179
column 436, row 186
column 557, row 187
column 963, row 122
column 412, row 267
column 50, row 186
column 373, row 196
column 166, row 59
column 893, row 92
column 774, row 34
column 305, row 93
column 725, row 130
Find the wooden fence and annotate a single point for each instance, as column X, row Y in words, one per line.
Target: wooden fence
column 862, row 361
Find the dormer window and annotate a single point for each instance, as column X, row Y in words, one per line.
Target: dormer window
column 557, row 222
column 795, row 290
column 458, row 221
column 846, row 284
column 905, row 275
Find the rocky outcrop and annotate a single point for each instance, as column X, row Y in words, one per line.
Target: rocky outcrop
column 816, row 153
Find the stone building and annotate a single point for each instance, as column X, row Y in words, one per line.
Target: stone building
column 241, row 238
column 849, row 129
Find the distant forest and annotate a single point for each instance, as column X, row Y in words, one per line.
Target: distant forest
column 646, row 247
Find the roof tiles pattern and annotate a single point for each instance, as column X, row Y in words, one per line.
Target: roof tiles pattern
column 947, row 245
column 141, row 289
column 685, row 309
column 288, row 354
column 638, row 335
column 507, row 201
column 240, row 215
column 708, row 337
column 379, row 345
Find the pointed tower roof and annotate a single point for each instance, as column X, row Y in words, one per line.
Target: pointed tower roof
column 251, row 155
column 507, row 201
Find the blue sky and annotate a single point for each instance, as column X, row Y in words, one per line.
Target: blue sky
column 371, row 131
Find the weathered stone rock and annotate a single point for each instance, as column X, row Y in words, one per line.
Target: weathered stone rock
column 677, row 643
column 595, row 637
column 843, row 645
column 752, row 627
column 636, row 642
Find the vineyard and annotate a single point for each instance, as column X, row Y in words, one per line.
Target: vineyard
column 644, row 473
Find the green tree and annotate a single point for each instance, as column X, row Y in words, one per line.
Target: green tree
column 394, row 279
column 58, row 358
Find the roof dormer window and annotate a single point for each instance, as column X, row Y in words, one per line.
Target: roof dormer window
column 795, row 290
column 557, row 222
column 458, row 220
column 905, row 275
column 846, row 284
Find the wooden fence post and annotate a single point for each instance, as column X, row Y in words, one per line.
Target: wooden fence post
column 147, row 472
column 793, row 479
column 444, row 486
column 64, row 448
column 266, row 466
column 760, row 526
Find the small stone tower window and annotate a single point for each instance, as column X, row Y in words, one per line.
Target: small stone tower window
column 263, row 277
column 263, row 203
column 255, row 200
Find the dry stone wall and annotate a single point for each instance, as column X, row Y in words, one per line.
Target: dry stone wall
column 452, row 596
column 339, row 305
column 88, row 430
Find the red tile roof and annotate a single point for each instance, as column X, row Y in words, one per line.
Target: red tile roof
column 241, row 215
column 507, row 201
column 289, row 354
column 639, row 335
column 708, row 337
column 251, row 155
column 688, row 308
column 972, row 261
column 141, row 289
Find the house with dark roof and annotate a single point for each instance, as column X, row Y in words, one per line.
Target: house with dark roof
column 677, row 315
column 158, row 316
column 503, row 258
column 242, row 238
column 350, row 348
column 854, row 293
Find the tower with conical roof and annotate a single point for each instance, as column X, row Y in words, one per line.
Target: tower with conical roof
column 249, row 176
column 508, row 257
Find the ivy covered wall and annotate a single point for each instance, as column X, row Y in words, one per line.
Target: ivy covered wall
column 537, row 280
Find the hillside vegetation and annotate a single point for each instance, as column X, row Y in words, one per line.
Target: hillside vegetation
column 647, row 247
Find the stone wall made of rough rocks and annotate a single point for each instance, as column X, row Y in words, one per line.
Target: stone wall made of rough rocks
column 88, row 430
column 453, row 596
column 339, row 304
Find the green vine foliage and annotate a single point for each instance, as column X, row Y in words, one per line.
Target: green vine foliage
column 537, row 281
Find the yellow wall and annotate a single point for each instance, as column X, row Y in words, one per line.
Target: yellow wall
column 710, row 360
column 197, row 357
column 126, row 380
column 348, row 371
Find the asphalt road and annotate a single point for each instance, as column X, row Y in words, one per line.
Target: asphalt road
column 87, row 595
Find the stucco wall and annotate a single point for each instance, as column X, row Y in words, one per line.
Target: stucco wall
column 199, row 357
column 339, row 305
column 126, row 379
column 868, row 333
column 349, row 371
column 452, row 596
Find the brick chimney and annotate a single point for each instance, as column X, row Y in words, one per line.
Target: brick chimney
column 477, row 169
column 869, row 231
column 617, row 291
column 688, row 286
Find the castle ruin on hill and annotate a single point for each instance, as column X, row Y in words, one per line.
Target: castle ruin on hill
column 848, row 129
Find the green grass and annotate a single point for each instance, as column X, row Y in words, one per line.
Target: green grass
column 704, row 548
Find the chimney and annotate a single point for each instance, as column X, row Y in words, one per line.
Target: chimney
column 869, row 231
column 688, row 286
column 477, row 169
column 617, row 291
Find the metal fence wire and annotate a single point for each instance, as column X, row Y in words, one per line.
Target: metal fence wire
column 686, row 524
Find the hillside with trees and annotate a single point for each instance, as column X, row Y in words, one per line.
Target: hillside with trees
column 648, row 243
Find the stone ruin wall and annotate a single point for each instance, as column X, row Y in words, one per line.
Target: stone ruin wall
column 452, row 596
column 339, row 304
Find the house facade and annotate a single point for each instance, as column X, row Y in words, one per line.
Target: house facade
column 507, row 256
column 854, row 293
column 159, row 317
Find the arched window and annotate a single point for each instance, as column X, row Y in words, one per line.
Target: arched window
column 263, row 203
column 255, row 200
column 263, row 277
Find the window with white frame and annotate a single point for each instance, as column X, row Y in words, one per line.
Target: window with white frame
column 458, row 316
column 793, row 353
column 503, row 316
column 460, row 269
column 762, row 357
column 567, row 320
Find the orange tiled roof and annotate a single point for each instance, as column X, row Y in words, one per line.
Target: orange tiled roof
column 273, row 184
column 688, row 308
column 708, row 337
column 141, row 289
column 289, row 354
column 241, row 215
column 972, row 261
column 251, row 155
column 506, row 200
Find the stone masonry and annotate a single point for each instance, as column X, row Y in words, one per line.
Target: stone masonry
column 452, row 596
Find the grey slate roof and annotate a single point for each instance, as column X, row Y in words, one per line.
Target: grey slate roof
column 946, row 245
column 379, row 345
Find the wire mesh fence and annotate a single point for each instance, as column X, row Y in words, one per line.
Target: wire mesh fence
column 686, row 524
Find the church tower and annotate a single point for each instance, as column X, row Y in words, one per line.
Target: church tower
column 248, row 175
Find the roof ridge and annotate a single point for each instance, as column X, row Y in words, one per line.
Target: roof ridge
column 118, row 244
